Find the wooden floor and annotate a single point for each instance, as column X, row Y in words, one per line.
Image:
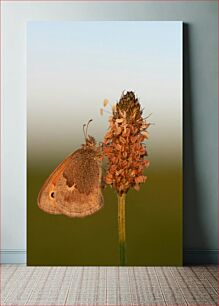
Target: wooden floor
column 23, row 285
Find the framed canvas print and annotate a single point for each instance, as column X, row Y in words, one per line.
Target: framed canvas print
column 104, row 143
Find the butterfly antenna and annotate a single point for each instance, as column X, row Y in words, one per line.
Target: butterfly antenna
column 84, row 131
column 87, row 126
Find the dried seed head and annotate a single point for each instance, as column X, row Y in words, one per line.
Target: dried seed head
column 123, row 145
column 129, row 105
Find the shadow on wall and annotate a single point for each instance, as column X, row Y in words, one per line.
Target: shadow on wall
column 192, row 223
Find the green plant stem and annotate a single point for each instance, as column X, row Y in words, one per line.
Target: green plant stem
column 121, row 228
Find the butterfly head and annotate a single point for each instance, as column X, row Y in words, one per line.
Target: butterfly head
column 91, row 146
column 90, row 141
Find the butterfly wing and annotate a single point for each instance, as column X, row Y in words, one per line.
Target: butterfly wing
column 78, row 189
column 46, row 200
column 74, row 187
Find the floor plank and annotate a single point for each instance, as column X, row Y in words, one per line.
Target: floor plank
column 103, row 286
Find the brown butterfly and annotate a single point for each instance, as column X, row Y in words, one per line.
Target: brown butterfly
column 74, row 187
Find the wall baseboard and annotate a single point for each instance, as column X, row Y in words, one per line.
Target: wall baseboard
column 190, row 257
column 12, row 256
column 200, row 257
